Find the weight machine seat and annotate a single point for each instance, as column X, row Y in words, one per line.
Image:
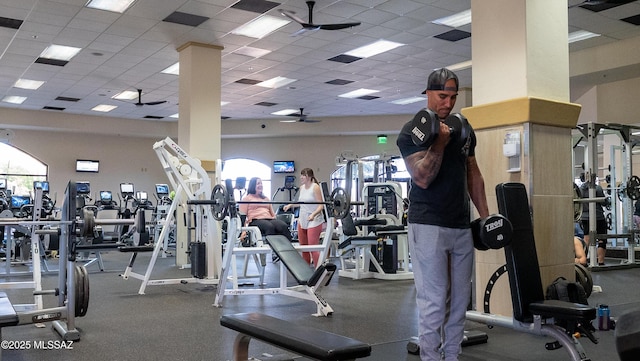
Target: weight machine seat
column 298, row 338
column 527, row 294
column 293, row 261
column 8, row 315
column 349, row 228
column 626, row 335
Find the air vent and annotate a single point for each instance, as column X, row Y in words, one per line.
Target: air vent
column 152, row 117
column 68, row 99
column 10, row 23
column 53, row 108
column 185, row 19
column 51, row 62
column 266, row 104
column 453, row 35
column 256, row 6
column 339, row 82
column 342, row 58
column 248, row 81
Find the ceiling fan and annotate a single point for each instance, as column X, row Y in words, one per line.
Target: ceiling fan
column 310, row 25
column 140, row 103
column 302, row 118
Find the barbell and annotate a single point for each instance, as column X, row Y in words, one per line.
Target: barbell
column 338, row 204
column 82, row 226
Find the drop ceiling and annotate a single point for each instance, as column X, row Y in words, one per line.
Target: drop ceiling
column 128, row 51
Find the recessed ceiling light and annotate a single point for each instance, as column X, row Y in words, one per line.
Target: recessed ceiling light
column 176, row 115
column 460, row 66
column 581, row 35
column 276, row 82
column 406, row 101
column 222, row 103
column 251, row 51
column 126, row 95
column 104, row 108
column 372, row 49
column 260, row 27
column 28, row 84
column 285, row 112
column 455, row 20
column 60, row 52
column 172, row 69
column 118, row 6
column 358, row 93
column 14, row 99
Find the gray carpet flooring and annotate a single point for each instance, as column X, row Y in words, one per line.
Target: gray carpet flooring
column 179, row 322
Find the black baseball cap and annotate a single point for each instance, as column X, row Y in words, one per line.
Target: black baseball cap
column 438, row 78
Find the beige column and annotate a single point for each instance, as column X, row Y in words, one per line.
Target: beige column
column 521, row 95
column 199, row 128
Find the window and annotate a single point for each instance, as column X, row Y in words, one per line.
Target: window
column 20, row 170
column 234, row 168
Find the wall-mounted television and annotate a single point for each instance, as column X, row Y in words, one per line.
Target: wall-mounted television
column 84, row 165
column 284, row 166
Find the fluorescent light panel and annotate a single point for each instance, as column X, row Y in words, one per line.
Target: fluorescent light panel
column 285, row 112
column 455, row 20
column 118, row 6
column 252, row 52
column 372, row 49
column 13, row 99
column 172, row 69
column 104, row 108
column 126, row 95
column 460, row 66
column 260, row 27
column 581, row 35
column 358, row 93
column 276, row 82
column 406, row 101
column 28, row 84
column 60, row 52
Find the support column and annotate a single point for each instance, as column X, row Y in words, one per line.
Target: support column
column 521, row 96
column 199, row 128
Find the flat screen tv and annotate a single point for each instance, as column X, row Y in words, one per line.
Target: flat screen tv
column 284, row 166
column 18, row 201
column 84, row 165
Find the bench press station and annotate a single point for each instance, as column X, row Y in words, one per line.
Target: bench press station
column 309, row 281
column 531, row 312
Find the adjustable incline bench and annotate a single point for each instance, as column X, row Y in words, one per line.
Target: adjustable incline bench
column 531, row 312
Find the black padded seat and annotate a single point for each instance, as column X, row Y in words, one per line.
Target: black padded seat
column 293, row 261
column 300, row 339
column 527, row 294
column 627, row 334
column 128, row 249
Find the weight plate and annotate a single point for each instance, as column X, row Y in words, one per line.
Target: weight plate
column 577, row 206
column 221, row 198
column 340, row 203
column 81, row 291
column 633, row 188
column 88, row 223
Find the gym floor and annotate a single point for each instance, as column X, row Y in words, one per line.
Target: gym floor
column 179, row 322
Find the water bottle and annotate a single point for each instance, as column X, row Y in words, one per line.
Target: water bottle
column 603, row 318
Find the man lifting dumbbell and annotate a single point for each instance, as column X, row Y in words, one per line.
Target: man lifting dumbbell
column 444, row 177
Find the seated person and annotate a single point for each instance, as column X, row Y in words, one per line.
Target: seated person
column 580, row 254
column 262, row 215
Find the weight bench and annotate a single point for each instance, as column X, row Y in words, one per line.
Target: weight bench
column 8, row 315
column 531, row 312
column 300, row 339
column 311, row 279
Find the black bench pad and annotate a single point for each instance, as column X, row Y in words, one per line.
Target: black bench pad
column 8, row 315
column 562, row 310
column 300, row 339
column 135, row 248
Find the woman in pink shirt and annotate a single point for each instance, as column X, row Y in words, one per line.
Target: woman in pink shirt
column 262, row 215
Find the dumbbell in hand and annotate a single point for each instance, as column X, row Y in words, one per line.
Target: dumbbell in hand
column 426, row 128
column 492, row 232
